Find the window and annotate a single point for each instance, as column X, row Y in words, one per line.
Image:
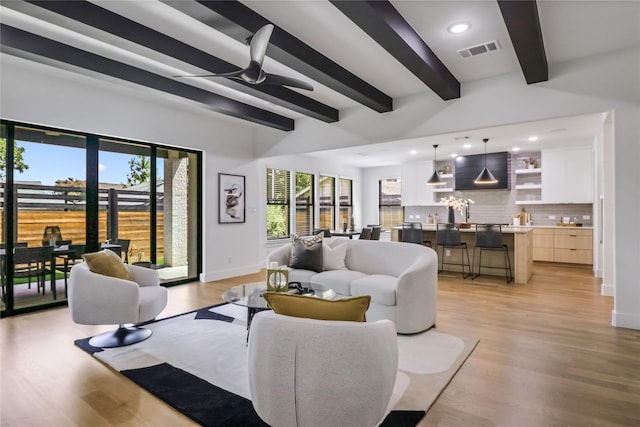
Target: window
column 278, row 196
column 304, row 204
column 389, row 205
column 346, row 202
column 327, row 201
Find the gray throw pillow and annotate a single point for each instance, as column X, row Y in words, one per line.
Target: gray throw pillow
column 306, row 253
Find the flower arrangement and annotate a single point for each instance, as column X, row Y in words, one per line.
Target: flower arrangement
column 457, row 204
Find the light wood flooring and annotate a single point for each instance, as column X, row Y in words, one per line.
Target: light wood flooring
column 548, row 356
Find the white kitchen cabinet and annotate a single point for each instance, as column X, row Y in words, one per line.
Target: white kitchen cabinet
column 567, row 176
column 415, row 191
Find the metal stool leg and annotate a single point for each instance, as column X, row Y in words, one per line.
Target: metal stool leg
column 508, row 263
column 466, row 250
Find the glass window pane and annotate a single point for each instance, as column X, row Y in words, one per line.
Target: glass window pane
column 176, row 213
column 278, row 196
column 304, row 204
column 50, row 198
column 346, row 207
column 124, row 176
column 390, row 209
column 327, row 199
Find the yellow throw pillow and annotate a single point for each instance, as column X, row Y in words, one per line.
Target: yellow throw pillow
column 107, row 263
column 352, row 309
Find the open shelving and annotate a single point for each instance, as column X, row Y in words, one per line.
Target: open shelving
column 529, row 184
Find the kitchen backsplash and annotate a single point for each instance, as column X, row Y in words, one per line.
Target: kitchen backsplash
column 498, row 206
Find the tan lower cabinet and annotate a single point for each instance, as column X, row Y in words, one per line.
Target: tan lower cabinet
column 569, row 245
column 543, row 244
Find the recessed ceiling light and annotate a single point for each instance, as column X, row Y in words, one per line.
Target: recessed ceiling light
column 459, row 28
column 533, row 138
column 454, row 155
column 515, row 149
column 413, row 152
column 467, row 146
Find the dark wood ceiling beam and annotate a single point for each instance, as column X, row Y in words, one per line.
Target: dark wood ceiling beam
column 523, row 25
column 289, row 50
column 383, row 23
column 105, row 20
column 14, row 38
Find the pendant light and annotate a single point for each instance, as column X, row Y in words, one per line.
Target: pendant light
column 435, row 178
column 485, row 177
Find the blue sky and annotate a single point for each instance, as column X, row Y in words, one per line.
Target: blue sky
column 48, row 163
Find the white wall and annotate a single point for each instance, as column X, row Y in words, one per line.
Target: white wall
column 602, row 83
column 48, row 96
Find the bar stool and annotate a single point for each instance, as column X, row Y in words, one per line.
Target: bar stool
column 412, row 233
column 489, row 238
column 448, row 236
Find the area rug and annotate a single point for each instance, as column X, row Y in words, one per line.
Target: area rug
column 197, row 363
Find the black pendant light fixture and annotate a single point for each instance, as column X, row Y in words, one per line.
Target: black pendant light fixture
column 485, row 177
column 435, row 178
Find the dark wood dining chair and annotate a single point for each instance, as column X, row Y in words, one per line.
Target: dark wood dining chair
column 124, row 248
column 365, row 233
column 32, row 262
column 376, row 229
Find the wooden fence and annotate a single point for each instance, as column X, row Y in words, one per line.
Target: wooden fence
column 39, row 206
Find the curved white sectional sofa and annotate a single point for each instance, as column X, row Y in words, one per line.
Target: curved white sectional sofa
column 402, row 279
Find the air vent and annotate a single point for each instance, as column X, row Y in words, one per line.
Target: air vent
column 468, row 52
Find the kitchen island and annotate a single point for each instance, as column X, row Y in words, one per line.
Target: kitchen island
column 518, row 239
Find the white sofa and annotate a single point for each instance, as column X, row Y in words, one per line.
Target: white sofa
column 402, row 278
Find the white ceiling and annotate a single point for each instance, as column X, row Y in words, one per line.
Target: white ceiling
column 571, row 29
column 563, row 131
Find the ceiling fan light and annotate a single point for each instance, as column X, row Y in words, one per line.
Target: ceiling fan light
column 435, row 179
column 486, row 177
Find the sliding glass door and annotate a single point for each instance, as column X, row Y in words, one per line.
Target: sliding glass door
column 66, row 193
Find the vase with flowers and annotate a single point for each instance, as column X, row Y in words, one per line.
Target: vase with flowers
column 459, row 204
column 530, row 163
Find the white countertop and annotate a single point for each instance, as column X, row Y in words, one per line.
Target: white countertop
column 584, row 227
column 505, row 229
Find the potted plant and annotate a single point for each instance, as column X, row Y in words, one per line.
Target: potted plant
column 530, row 163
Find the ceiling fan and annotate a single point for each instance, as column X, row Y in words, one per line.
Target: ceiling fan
column 254, row 74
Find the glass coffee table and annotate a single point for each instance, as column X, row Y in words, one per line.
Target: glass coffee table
column 250, row 296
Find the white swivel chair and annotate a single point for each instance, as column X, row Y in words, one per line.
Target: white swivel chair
column 307, row 372
column 95, row 299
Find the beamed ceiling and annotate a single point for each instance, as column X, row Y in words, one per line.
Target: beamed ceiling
column 356, row 54
column 71, row 32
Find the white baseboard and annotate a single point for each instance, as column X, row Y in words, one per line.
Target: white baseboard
column 625, row 320
column 607, row 290
column 225, row 274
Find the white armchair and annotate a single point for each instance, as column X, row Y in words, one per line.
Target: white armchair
column 307, row 372
column 95, row 299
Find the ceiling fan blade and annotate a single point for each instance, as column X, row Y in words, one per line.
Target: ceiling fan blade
column 230, row 74
column 276, row 79
column 259, row 43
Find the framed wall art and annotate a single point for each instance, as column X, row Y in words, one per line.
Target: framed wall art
column 231, row 198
